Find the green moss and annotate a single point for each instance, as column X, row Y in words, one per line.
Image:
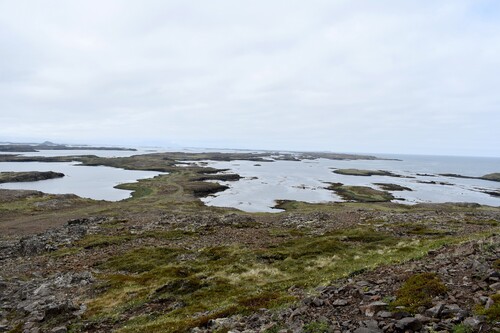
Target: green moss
column 461, row 328
column 182, row 286
column 493, row 223
column 308, row 247
column 66, row 251
column 224, row 280
column 493, row 313
column 38, row 203
column 98, row 240
column 316, row 327
column 140, row 192
column 366, row 235
column 418, row 291
column 113, row 223
column 141, row 260
column 275, row 329
column 75, row 328
column 169, row 234
column 17, row 329
column 260, row 300
column 424, row 230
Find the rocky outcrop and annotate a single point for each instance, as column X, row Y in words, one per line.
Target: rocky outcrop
column 13, row 195
column 40, row 300
column 50, row 240
column 52, row 298
column 30, row 176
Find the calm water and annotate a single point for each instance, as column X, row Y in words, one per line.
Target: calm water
column 263, row 183
column 305, row 180
column 95, row 182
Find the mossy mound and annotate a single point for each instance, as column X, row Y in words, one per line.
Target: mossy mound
column 418, row 291
column 493, row 312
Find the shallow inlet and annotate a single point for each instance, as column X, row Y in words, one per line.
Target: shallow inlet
column 94, row 182
column 306, row 180
column 266, row 182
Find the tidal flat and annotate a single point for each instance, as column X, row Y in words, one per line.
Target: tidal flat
column 163, row 261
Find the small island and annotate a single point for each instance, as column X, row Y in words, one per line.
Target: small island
column 495, row 177
column 433, row 182
column 360, row 193
column 492, row 176
column 365, row 173
column 28, row 176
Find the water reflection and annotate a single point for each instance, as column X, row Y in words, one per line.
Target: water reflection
column 95, row 182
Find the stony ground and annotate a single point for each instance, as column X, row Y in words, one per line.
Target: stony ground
column 43, row 288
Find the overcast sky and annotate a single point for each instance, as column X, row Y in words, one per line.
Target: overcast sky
column 413, row 76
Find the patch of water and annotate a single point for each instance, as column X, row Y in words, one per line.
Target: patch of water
column 94, row 182
column 306, row 180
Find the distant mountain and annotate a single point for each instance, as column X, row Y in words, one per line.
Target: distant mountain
column 50, row 144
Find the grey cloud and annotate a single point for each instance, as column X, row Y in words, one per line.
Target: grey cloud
column 384, row 76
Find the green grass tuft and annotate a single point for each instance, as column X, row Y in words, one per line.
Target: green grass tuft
column 316, row 327
column 461, row 328
column 493, row 313
column 93, row 241
column 418, row 291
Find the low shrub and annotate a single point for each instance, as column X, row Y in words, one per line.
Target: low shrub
column 418, row 291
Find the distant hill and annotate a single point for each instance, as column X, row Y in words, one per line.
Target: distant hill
column 47, row 145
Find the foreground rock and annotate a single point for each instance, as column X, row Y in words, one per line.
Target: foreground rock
column 53, row 297
column 44, row 299
column 49, row 241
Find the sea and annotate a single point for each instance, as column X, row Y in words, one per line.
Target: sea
column 265, row 182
